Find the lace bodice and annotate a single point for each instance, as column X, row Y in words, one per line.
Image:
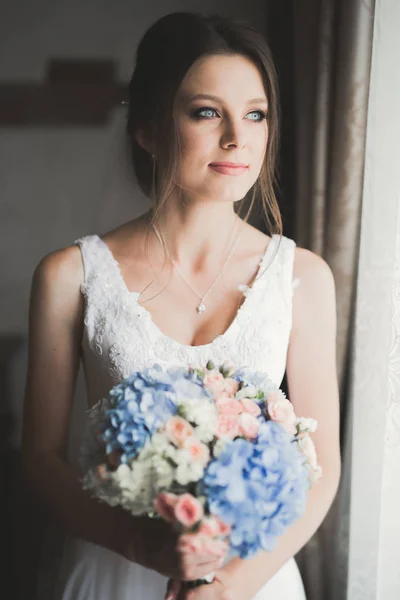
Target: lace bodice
column 120, row 336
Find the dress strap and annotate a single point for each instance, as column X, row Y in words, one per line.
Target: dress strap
column 100, row 272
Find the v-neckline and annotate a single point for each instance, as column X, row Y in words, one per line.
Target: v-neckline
column 135, row 296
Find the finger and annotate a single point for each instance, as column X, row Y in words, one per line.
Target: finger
column 207, row 562
column 202, row 547
column 198, row 572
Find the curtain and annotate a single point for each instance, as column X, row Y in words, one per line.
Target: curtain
column 323, row 53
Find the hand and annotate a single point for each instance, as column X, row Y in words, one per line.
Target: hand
column 160, row 548
column 218, row 590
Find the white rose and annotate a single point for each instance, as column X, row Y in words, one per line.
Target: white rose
column 306, row 425
column 249, row 391
column 306, row 446
column 186, row 473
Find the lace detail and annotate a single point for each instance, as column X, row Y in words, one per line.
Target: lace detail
column 120, row 335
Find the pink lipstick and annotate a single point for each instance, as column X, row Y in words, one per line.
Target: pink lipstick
column 229, row 168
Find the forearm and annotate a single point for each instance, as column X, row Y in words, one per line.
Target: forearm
column 248, row 576
column 56, row 485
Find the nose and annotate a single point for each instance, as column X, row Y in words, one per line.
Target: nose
column 234, row 135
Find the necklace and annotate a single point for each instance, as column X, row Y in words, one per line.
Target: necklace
column 201, row 307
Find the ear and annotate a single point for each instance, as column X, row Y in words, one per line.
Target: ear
column 143, row 141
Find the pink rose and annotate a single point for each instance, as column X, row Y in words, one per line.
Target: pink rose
column 249, row 426
column 227, row 405
column 165, row 504
column 281, row 410
column 198, row 451
column 188, row 510
column 230, row 386
column 178, row 430
column 250, row 407
column 214, row 380
column 227, row 426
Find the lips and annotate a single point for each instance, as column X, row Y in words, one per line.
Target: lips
column 229, row 168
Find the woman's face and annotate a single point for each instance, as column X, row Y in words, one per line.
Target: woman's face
column 220, row 113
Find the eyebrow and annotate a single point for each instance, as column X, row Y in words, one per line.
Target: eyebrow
column 218, row 99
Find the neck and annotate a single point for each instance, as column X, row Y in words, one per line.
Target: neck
column 198, row 235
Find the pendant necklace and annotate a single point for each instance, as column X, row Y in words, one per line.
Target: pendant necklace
column 201, row 307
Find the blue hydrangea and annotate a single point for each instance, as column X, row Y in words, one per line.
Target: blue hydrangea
column 258, row 487
column 142, row 403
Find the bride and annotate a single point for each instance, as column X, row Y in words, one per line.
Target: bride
column 187, row 281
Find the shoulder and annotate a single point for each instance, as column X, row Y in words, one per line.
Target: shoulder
column 56, row 284
column 62, row 266
column 312, row 268
column 314, row 298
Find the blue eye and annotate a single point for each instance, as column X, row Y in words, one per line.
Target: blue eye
column 259, row 115
column 206, row 113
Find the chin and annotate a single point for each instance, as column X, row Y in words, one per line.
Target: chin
column 225, row 193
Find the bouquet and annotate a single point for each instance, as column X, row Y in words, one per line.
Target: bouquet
column 218, row 452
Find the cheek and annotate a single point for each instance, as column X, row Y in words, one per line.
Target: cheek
column 195, row 145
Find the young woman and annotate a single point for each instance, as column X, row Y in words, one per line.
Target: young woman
column 187, row 281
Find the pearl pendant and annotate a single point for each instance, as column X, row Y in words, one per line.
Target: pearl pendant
column 201, row 307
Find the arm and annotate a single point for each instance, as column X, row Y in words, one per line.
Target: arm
column 55, row 332
column 313, row 390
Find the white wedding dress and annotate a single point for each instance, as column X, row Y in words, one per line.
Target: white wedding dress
column 121, row 337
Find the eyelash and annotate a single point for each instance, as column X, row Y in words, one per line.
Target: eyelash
column 198, row 116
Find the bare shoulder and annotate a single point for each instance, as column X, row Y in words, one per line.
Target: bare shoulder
column 56, row 283
column 62, row 266
column 314, row 299
column 312, row 270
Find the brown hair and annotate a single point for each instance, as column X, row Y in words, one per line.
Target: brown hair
column 164, row 55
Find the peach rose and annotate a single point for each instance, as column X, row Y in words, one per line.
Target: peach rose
column 214, row 380
column 230, row 386
column 227, row 426
column 250, row 407
column 178, row 430
column 198, row 451
column 249, row 426
column 227, row 405
column 165, row 504
column 188, row 510
column 281, row 410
